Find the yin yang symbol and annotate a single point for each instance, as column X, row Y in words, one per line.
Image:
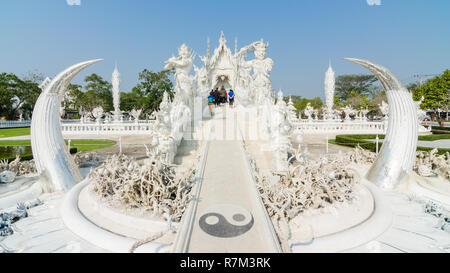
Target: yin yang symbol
column 226, row 221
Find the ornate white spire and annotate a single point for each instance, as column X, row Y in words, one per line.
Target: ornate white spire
column 116, row 92
column 329, row 87
column 208, row 52
column 222, row 40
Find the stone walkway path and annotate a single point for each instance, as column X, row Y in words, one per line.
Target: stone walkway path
column 228, row 217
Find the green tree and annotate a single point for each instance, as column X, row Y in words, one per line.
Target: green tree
column 74, row 98
column 9, row 89
column 360, row 84
column 148, row 93
column 17, row 96
column 134, row 99
column 436, row 92
column 98, row 93
column 357, row 100
column 30, row 91
column 300, row 104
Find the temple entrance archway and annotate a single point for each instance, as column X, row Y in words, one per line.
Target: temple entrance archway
column 222, row 81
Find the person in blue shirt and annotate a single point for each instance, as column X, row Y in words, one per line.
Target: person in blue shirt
column 231, row 97
column 211, row 101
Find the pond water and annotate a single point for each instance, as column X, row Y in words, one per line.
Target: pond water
column 12, row 151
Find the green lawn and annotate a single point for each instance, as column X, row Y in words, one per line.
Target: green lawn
column 422, row 138
column 13, row 132
column 434, row 137
column 81, row 145
column 362, row 140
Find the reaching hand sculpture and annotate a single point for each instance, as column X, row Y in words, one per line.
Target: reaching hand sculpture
column 397, row 155
column 49, row 149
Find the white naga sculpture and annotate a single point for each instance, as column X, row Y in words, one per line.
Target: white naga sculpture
column 116, row 94
column 309, row 111
column 53, row 161
column 184, row 81
column 398, row 153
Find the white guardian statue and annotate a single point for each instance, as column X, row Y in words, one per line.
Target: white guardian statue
column 261, row 71
column 184, row 81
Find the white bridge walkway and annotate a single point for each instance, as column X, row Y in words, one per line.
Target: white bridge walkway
column 229, row 216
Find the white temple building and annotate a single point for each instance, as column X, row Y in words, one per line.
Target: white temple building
column 232, row 71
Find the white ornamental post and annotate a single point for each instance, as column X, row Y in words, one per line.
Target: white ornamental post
column 377, row 140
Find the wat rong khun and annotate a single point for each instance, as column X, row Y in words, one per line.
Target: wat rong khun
column 248, row 177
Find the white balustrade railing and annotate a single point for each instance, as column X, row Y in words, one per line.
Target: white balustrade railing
column 14, row 123
column 356, row 127
column 120, row 128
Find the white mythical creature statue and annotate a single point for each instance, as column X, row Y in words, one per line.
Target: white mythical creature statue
column 384, row 108
column 364, row 113
column 98, row 113
column 348, row 110
column 292, row 111
column 163, row 140
column 316, row 114
column 184, row 81
column 201, row 77
column 281, row 129
column 309, row 111
column 261, row 71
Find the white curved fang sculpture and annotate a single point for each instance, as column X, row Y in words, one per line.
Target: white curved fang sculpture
column 49, row 150
column 397, row 155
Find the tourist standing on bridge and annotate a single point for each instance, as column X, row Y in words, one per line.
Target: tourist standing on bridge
column 223, row 95
column 216, row 96
column 211, row 102
column 231, row 97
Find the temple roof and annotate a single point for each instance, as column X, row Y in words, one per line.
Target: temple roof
column 222, row 57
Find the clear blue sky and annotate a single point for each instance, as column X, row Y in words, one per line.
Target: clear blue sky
column 408, row 36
